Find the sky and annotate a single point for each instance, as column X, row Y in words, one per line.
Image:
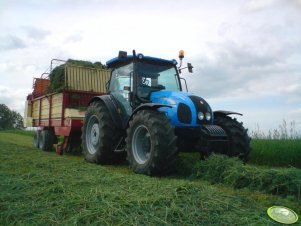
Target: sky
column 246, row 53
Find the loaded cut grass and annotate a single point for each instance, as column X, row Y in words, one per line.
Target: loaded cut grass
column 231, row 171
column 57, row 75
column 42, row 188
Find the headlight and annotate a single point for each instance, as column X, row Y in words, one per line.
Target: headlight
column 208, row 116
column 200, row 115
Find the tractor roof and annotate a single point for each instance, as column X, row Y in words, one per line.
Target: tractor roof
column 115, row 62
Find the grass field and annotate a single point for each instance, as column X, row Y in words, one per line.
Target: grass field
column 40, row 188
column 276, row 152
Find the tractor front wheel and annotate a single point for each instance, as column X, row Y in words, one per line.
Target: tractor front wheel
column 239, row 141
column 151, row 143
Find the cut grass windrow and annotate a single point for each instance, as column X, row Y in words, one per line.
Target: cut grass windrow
column 231, row 171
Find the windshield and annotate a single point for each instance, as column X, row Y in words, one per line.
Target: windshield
column 155, row 77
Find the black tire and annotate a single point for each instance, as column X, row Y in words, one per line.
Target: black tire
column 74, row 142
column 36, row 139
column 151, row 143
column 99, row 148
column 47, row 139
column 239, row 141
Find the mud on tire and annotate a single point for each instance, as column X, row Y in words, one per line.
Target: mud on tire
column 151, row 143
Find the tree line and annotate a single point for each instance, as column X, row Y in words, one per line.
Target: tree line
column 9, row 119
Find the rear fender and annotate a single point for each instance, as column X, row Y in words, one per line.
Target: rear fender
column 110, row 103
column 222, row 112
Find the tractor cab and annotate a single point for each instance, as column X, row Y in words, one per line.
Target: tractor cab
column 135, row 78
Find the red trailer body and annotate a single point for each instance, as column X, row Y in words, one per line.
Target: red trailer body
column 62, row 113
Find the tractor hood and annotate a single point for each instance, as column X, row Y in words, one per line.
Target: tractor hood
column 169, row 97
column 186, row 108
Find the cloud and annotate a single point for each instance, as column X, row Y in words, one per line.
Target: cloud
column 22, row 37
column 11, row 42
column 296, row 3
column 242, row 55
column 77, row 37
column 258, row 5
column 252, row 6
column 292, row 91
column 13, row 98
column 238, row 71
column 297, row 112
column 35, row 33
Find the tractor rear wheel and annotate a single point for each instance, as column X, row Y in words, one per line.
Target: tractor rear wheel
column 151, row 143
column 100, row 136
column 239, row 141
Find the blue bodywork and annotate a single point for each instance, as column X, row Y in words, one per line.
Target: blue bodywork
column 117, row 61
column 173, row 99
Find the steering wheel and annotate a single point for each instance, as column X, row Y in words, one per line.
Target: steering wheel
column 159, row 87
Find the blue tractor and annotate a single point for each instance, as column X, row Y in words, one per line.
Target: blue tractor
column 147, row 118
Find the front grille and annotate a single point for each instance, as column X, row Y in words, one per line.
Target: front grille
column 184, row 113
column 215, row 131
column 201, row 106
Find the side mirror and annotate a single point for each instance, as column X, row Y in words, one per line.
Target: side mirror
column 189, row 66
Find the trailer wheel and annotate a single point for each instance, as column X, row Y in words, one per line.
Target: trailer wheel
column 151, row 143
column 47, row 139
column 239, row 141
column 99, row 136
column 36, row 139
